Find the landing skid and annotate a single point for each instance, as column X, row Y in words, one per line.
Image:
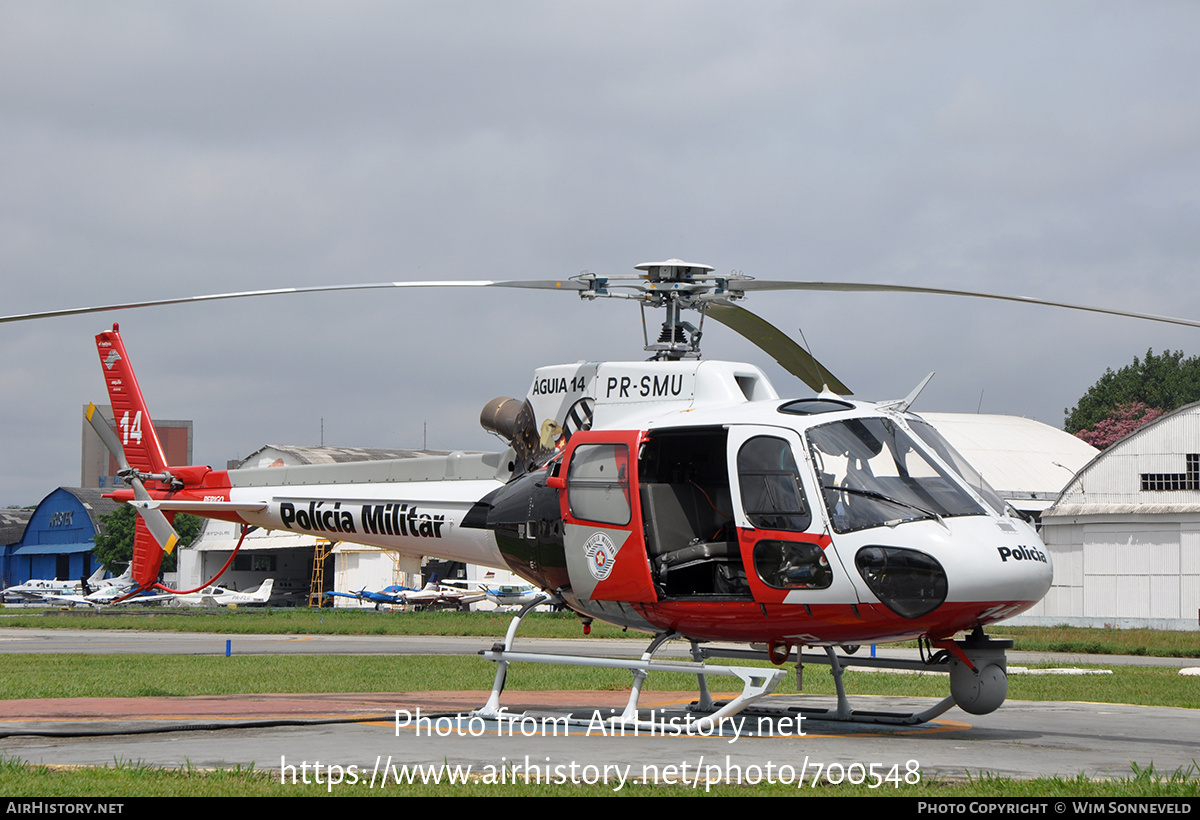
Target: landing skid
column 756, row 681
column 842, row 712
column 982, row 673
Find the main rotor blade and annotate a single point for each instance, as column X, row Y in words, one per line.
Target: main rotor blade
column 794, row 359
column 748, row 285
column 548, row 284
column 734, row 285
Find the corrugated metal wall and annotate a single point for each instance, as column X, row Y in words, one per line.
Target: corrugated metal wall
column 1123, row 555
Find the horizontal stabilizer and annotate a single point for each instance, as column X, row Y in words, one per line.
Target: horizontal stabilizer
column 197, row 507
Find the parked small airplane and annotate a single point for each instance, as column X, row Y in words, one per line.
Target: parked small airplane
column 35, row 590
column 388, row 595
column 220, row 596
column 435, row 595
column 512, row 594
column 112, row 592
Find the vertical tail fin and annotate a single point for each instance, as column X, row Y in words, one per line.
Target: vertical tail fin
column 139, row 454
column 136, row 431
column 263, row 593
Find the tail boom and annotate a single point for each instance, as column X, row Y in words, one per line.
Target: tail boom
column 415, row 506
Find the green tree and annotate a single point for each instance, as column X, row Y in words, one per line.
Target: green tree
column 1164, row 381
column 114, row 544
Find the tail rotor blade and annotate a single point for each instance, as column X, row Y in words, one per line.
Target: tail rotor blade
column 164, row 534
column 156, row 522
column 108, row 436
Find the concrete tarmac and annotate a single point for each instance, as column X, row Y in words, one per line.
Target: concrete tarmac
column 292, row 733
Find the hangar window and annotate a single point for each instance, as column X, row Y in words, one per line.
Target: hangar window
column 254, row 563
column 1188, row 480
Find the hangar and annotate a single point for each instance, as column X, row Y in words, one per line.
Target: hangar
column 58, row 540
column 12, row 530
column 1124, row 534
column 1025, row 461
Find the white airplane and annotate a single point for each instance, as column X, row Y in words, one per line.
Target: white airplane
column 512, row 594
column 436, row 595
column 110, row 593
column 36, row 589
column 220, row 596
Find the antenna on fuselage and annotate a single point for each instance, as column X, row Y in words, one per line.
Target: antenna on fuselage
column 901, row 405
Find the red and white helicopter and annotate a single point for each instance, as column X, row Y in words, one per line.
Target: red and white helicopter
column 679, row 496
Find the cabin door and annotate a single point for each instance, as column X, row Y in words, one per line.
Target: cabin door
column 782, row 533
column 603, row 535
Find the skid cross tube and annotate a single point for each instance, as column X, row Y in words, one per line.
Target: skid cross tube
column 756, row 681
column 837, row 664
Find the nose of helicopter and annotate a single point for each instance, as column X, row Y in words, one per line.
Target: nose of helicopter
column 984, row 568
column 972, row 570
column 1030, row 575
column 1013, row 569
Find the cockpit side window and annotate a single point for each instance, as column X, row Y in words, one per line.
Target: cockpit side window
column 772, row 497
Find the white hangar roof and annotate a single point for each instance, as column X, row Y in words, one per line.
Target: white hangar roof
column 291, row 455
column 1026, row 462
column 1155, row 469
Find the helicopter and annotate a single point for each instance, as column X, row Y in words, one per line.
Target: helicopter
column 679, row 496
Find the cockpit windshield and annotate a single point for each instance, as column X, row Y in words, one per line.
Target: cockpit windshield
column 949, row 455
column 873, row 473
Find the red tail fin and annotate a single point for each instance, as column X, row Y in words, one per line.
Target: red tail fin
column 139, row 442
column 138, row 437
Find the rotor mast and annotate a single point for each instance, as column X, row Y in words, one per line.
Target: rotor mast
column 667, row 286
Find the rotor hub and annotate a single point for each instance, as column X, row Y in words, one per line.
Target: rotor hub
column 673, row 270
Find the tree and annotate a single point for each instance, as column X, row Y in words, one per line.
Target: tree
column 114, row 543
column 1164, row 382
column 1124, row 420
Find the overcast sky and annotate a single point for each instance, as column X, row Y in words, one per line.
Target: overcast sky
column 161, row 149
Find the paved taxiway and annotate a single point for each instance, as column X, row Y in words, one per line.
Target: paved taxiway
column 132, row 642
column 1020, row 739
